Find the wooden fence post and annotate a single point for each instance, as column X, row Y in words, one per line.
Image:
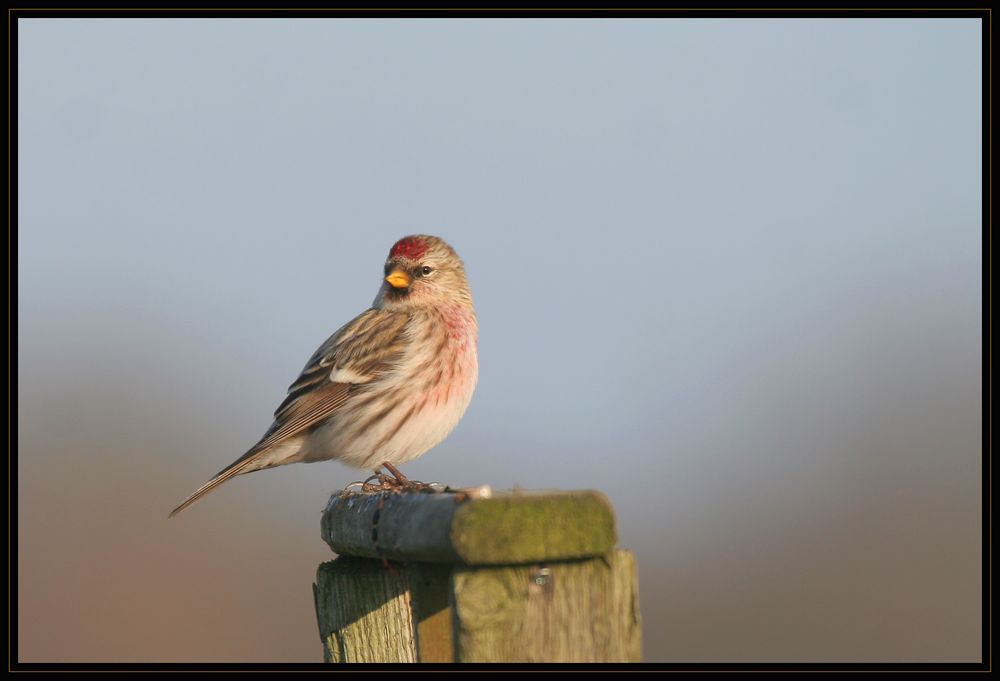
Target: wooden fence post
column 476, row 577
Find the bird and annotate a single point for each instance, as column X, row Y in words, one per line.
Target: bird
column 387, row 386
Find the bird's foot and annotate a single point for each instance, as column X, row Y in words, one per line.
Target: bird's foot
column 396, row 482
column 379, row 482
column 404, row 484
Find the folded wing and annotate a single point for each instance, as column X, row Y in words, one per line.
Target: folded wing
column 357, row 353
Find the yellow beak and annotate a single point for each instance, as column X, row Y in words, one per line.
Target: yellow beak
column 399, row 279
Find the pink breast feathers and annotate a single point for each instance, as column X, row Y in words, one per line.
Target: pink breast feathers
column 461, row 328
column 410, row 247
column 457, row 364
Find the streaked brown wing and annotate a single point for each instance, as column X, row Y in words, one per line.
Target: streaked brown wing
column 360, row 351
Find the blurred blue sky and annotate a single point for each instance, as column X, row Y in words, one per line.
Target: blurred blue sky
column 726, row 271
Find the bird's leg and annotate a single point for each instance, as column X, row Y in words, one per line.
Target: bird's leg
column 401, row 480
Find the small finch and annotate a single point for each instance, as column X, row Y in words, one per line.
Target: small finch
column 390, row 384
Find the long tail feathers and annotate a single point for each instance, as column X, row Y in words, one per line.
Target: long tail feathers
column 231, row 471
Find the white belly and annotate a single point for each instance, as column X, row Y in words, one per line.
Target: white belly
column 402, row 419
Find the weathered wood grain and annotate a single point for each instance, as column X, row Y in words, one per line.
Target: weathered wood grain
column 433, row 616
column 364, row 610
column 512, row 527
column 512, row 577
column 577, row 611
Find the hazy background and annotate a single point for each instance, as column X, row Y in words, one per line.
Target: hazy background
column 727, row 271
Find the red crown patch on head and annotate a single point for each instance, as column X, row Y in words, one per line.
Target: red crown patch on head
column 411, row 247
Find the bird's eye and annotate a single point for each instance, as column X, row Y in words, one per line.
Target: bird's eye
column 425, row 270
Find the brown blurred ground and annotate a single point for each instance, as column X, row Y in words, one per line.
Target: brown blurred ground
column 874, row 556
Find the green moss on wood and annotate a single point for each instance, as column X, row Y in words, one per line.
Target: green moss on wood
column 510, row 527
column 526, row 528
